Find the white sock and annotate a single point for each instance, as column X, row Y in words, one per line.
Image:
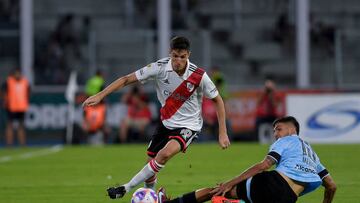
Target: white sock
column 151, row 182
column 150, row 169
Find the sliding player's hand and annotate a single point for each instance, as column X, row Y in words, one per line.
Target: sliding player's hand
column 221, row 189
column 224, row 141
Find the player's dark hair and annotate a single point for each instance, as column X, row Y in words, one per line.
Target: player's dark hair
column 288, row 119
column 180, row 43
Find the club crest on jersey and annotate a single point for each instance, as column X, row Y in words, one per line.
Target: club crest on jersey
column 189, row 86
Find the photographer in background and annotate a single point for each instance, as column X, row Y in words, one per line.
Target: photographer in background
column 266, row 109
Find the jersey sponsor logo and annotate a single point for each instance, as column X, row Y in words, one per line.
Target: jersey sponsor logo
column 304, row 169
column 177, row 96
column 324, row 123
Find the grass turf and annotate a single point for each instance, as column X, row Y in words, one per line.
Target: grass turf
column 81, row 174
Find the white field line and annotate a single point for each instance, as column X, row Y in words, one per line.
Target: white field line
column 28, row 155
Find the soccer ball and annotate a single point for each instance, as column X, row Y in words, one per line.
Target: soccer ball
column 144, row 195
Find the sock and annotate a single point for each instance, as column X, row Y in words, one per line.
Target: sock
column 149, row 170
column 186, row 198
column 151, row 182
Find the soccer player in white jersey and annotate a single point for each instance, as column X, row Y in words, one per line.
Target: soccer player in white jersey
column 298, row 171
column 180, row 87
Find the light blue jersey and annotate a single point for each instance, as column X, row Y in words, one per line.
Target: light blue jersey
column 295, row 158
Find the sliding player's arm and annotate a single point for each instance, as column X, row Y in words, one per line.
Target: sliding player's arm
column 330, row 189
column 264, row 165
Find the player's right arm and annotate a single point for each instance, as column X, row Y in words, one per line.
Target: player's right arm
column 327, row 181
column 264, row 165
column 116, row 85
column 144, row 74
column 330, row 189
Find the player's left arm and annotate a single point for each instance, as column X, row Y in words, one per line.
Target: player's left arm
column 327, row 181
column 220, row 111
column 330, row 189
column 264, row 165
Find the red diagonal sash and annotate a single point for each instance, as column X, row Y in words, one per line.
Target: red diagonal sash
column 181, row 94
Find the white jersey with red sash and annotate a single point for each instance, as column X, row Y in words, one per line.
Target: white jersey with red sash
column 180, row 96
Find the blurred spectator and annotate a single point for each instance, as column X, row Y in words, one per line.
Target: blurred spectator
column 94, row 125
column 266, row 110
column 323, row 36
column 61, row 54
column 85, row 30
column 95, row 116
column 95, row 84
column 284, row 32
column 65, row 31
column 219, row 82
column 68, row 38
column 9, row 11
column 54, row 62
column 50, row 64
column 16, row 102
column 138, row 116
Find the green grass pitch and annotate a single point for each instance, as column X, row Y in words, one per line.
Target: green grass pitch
column 81, row 174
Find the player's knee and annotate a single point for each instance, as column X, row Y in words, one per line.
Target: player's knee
column 163, row 156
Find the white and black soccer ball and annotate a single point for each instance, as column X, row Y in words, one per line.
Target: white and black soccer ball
column 144, row 195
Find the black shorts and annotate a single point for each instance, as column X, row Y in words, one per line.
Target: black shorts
column 163, row 135
column 19, row 116
column 269, row 187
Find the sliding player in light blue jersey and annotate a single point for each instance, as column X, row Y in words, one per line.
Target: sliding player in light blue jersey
column 298, row 171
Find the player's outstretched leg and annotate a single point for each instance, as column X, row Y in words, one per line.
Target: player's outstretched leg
column 116, row 192
column 149, row 170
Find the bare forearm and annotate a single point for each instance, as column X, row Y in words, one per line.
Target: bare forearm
column 255, row 169
column 328, row 196
column 330, row 189
column 220, row 110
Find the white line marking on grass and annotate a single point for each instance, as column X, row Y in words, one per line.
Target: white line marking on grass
column 28, row 155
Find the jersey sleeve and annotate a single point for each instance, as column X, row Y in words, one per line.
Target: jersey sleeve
column 276, row 150
column 209, row 88
column 147, row 73
column 320, row 169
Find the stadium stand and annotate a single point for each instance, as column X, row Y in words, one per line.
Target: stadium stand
column 240, row 36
